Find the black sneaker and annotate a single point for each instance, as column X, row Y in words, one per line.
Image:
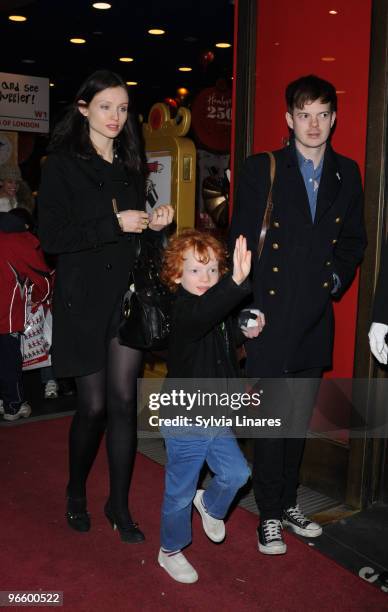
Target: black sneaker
column 300, row 524
column 270, row 537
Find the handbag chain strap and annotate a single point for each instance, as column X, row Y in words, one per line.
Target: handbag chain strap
column 269, row 206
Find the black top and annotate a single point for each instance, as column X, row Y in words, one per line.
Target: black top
column 203, row 339
column 94, row 258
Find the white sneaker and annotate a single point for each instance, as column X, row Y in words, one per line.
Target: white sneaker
column 214, row 528
column 51, row 390
column 24, row 411
column 178, row 567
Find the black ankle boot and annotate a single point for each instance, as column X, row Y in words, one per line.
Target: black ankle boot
column 77, row 515
column 129, row 533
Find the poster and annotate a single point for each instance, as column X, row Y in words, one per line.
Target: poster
column 158, row 185
column 24, row 103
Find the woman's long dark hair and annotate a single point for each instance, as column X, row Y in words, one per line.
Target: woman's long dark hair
column 71, row 134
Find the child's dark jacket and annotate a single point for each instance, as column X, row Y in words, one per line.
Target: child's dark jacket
column 200, row 346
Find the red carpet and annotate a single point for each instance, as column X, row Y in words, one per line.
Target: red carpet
column 98, row 572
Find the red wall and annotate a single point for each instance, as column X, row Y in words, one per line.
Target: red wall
column 292, row 36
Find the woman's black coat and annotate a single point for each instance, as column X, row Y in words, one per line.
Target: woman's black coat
column 94, row 258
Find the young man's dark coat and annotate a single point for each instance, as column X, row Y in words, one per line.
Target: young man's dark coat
column 293, row 281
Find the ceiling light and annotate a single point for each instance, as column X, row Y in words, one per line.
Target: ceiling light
column 185, row 69
column 17, row 18
column 102, row 6
column 328, row 59
column 182, row 91
column 132, row 83
column 52, row 84
column 77, row 41
column 333, row 12
column 223, row 45
column 156, row 32
column 125, row 59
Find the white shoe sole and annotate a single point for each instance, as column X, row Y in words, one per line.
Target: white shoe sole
column 272, row 550
column 183, row 580
column 15, row 417
column 197, row 501
column 307, row 533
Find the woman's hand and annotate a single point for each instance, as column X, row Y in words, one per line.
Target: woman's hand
column 241, row 261
column 161, row 216
column 134, row 220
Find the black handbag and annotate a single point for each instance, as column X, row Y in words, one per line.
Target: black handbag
column 147, row 305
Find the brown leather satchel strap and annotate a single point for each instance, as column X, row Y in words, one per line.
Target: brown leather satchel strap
column 269, row 207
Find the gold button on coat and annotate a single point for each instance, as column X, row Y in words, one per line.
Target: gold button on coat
column 338, row 220
column 325, row 285
column 276, row 224
column 272, row 291
column 275, row 269
column 334, row 241
column 275, row 246
column 328, row 263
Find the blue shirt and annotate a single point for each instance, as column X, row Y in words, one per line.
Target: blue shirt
column 311, row 177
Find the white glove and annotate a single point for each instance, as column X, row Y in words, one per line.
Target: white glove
column 377, row 343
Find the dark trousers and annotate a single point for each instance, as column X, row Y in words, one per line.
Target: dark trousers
column 277, row 460
column 11, row 381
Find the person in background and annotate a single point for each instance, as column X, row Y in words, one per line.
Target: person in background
column 22, row 267
column 50, row 385
column 10, row 178
column 379, row 329
column 91, row 214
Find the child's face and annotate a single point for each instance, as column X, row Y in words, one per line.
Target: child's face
column 198, row 277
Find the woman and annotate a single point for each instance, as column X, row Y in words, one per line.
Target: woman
column 91, row 212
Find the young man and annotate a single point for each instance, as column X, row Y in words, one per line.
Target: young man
column 313, row 246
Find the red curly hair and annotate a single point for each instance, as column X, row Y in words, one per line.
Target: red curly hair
column 178, row 246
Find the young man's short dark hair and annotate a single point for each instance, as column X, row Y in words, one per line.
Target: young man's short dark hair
column 308, row 89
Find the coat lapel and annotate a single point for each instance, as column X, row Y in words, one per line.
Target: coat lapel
column 329, row 185
column 293, row 186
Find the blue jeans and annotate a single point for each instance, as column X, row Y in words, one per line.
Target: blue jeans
column 185, row 458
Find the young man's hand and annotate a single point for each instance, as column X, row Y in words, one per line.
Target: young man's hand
column 252, row 331
column 241, row 261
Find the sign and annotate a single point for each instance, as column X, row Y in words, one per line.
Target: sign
column 212, row 118
column 24, row 103
column 158, row 185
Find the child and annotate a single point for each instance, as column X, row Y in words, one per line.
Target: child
column 201, row 346
column 22, row 266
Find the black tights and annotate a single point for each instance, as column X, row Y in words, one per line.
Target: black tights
column 106, row 399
